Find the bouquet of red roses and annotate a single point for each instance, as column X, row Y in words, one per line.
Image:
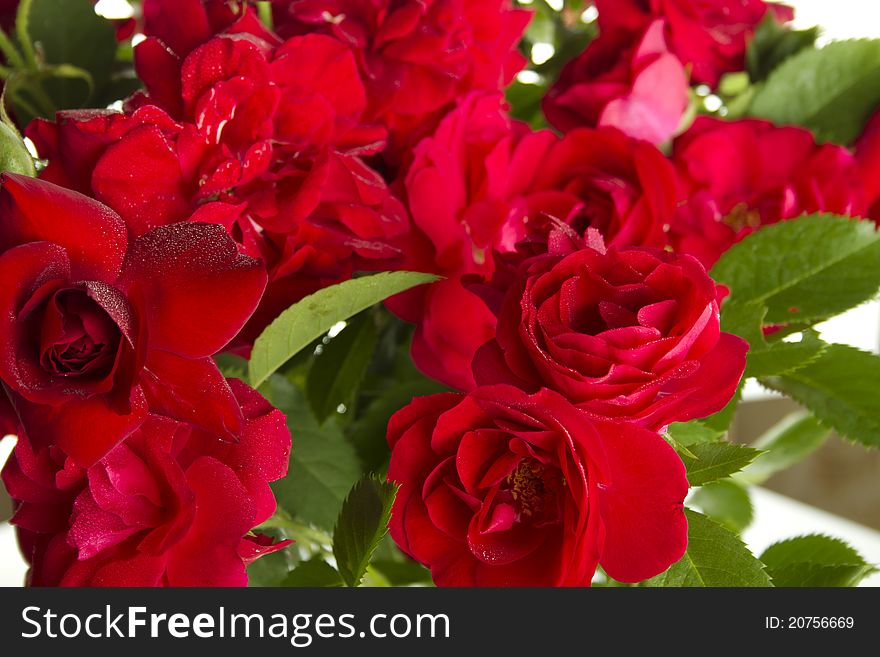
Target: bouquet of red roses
column 279, row 277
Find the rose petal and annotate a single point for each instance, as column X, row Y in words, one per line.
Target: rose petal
column 93, row 235
column 194, row 288
column 191, row 391
column 641, row 500
column 85, row 429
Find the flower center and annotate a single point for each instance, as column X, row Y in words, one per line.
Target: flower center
column 78, row 337
column 741, row 216
column 533, row 487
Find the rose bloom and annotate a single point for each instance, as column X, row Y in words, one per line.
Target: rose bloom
column 602, row 179
column 502, row 488
column 628, row 81
column 741, row 175
column 709, row 36
column 417, row 57
column 630, row 334
column 483, row 184
column 171, row 506
column 262, row 136
column 97, row 327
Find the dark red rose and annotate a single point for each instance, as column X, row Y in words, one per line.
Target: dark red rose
column 630, row 334
column 741, row 175
column 627, row 81
column 709, row 36
column 171, row 506
column 465, row 191
column 501, row 488
column 417, row 57
column 483, row 184
column 97, row 328
column 868, row 157
column 267, row 141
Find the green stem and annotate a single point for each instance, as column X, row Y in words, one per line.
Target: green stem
column 22, row 23
column 10, row 52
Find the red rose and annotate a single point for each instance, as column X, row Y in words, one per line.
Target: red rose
column 416, row 56
column 464, row 191
column 482, row 184
column 710, row 36
column 266, row 142
column 741, row 175
column 630, row 334
column 601, row 179
column 628, row 81
column 171, row 506
column 96, row 327
column 501, row 488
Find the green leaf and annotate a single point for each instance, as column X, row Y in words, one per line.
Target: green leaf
column 802, row 270
column 726, row 502
column 338, row 371
column 323, row 465
column 403, row 573
column 842, row 389
column 811, row 575
column 773, row 43
column 832, row 91
column 368, row 432
column 525, row 102
column 232, row 366
column 693, row 433
column 815, row 560
column 789, row 442
column 783, row 357
column 715, row 556
column 81, row 39
column 363, row 522
column 314, row 573
column 14, row 156
column 312, row 317
column 712, row 461
column 745, row 320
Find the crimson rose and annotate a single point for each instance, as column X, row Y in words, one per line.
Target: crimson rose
column 262, row 136
column 97, row 327
column 171, row 506
column 483, row 184
column 601, row 179
column 741, row 175
column 630, row 334
column 501, row 488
